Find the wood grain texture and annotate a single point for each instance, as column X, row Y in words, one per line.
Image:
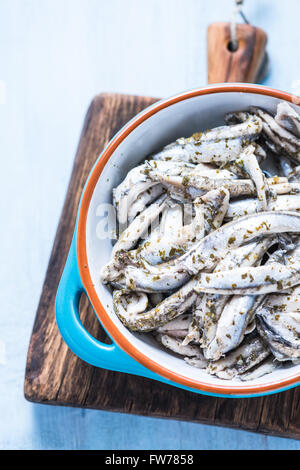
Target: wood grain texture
column 54, row 375
column 242, row 65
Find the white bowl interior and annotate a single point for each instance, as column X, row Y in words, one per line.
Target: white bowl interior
column 180, row 119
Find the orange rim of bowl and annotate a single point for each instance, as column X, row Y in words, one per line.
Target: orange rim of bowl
column 103, row 316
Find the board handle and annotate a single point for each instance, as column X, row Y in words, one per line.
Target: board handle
column 225, row 64
column 79, row 340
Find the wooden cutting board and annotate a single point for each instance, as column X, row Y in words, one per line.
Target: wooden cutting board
column 54, row 375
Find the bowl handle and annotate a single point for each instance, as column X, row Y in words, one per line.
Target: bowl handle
column 79, row 340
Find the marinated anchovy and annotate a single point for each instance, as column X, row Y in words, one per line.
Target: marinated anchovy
column 138, row 190
column 209, row 251
column 287, row 117
column 174, row 238
column 144, row 199
column 167, row 310
column 177, row 327
column 278, row 321
column 281, row 138
column 148, row 278
column 135, row 183
column 206, row 315
column 140, row 224
column 175, row 345
column 250, row 353
column 239, row 208
column 266, row 367
column 194, row 184
column 193, row 333
column 237, row 188
column 156, row 171
column 231, row 326
column 216, row 203
column 282, row 339
column 199, row 363
column 130, row 304
column 278, row 316
column 248, row 161
column 207, row 259
column 284, row 302
column 250, row 281
column 219, row 145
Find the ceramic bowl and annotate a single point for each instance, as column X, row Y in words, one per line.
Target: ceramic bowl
column 158, row 125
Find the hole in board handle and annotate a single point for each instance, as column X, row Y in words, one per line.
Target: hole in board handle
column 232, row 46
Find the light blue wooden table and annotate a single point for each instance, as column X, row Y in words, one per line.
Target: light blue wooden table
column 55, row 56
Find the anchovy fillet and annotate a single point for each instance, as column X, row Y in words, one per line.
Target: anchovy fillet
column 177, row 327
column 250, row 353
column 170, row 308
column 239, row 208
column 287, row 117
column 220, row 145
column 175, row 345
column 268, row 366
column 194, row 184
column 173, row 238
column 140, row 224
column 209, row 251
column 281, row 138
column 248, row 161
